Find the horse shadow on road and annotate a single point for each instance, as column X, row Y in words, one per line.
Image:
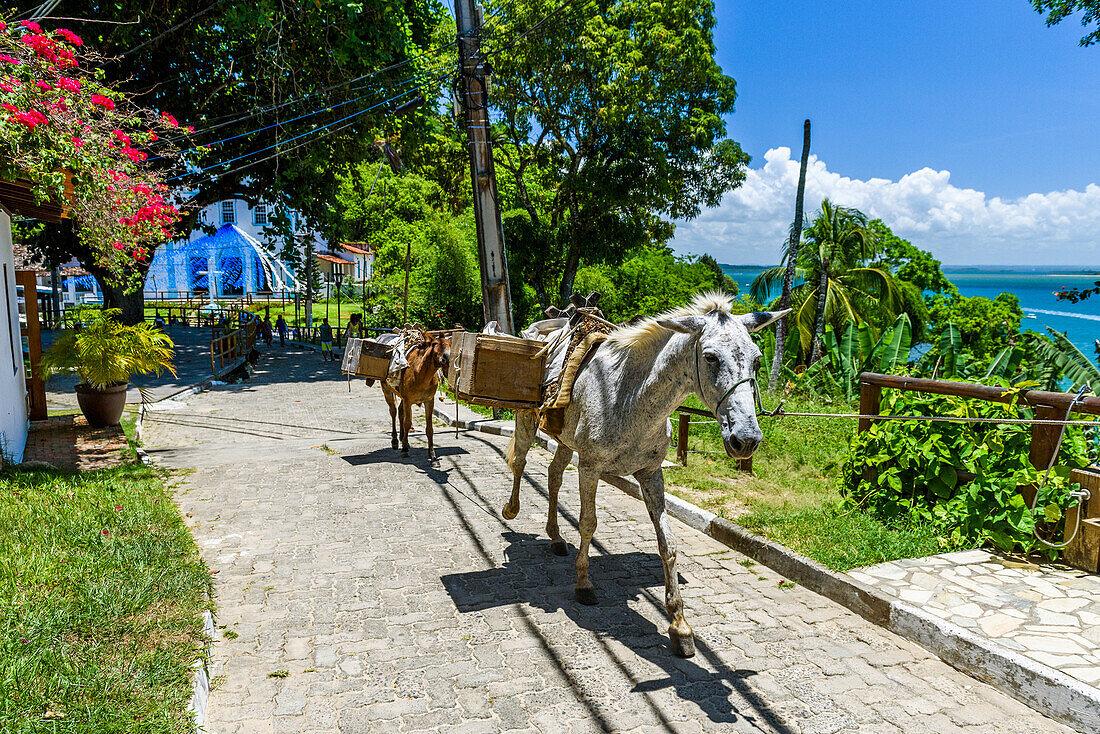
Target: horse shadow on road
column 532, row 576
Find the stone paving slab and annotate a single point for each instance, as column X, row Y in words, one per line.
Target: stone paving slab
column 396, row 598
column 1048, row 613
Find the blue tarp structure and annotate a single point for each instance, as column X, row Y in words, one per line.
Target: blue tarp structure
column 234, row 262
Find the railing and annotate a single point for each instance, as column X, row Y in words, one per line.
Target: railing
column 1084, row 551
column 230, row 349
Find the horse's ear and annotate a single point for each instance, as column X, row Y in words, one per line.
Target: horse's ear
column 685, row 324
column 757, row 320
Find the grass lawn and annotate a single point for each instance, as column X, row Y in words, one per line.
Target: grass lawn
column 101, row 598
column 793, row 495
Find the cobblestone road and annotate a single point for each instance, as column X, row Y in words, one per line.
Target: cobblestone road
column 390, row 596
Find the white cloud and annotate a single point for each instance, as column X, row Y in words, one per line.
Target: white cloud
column 959, row 226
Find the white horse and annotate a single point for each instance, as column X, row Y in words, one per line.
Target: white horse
column 618, row 421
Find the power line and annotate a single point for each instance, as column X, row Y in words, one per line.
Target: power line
column 305, row 134
column 256, row 111
column 317, row 111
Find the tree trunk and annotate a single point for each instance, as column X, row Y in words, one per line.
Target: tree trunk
column 132, row 304
column 309, row 283
column 819, row 319
column 792, row 261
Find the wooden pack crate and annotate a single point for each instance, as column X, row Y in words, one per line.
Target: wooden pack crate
column 497, row 371
column 367, row 358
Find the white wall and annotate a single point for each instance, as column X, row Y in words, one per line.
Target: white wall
column 13, row 385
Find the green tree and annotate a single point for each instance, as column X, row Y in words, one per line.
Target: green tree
column 838, row 281
column 1059, row 10
column 986, row 326
column 251, row 75
column 910, row 263
column 610, row 124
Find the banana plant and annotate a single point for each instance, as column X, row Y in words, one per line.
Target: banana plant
column 1074, row 365
column 950, row 346
column 1006, row 363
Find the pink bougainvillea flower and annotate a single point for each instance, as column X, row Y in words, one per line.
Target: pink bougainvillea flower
column 69, row 84
column 70, row 36
column 31, row 119
column 118, row 507
column 117, row 246
column 105, row 102
column 191, row 129
column 132, row 154
column 106, row 531
column 6, row 88
column 153, row 137
column 31, row 26
column 43, row 85
column 10, row 60
column 77, row 142
column 121, row 137
column 9, row 107
column 169, row 119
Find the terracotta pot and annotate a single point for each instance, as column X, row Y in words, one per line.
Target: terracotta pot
column 102, row 406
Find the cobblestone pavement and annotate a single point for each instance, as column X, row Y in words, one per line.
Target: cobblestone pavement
column 359, row 591
column 1047, row 613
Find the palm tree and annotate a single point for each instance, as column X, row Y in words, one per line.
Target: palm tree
column 837, row 285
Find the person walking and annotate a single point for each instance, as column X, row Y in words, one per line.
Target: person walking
column 265, row 330
column 354, row 328
column 281, row 328
column 326, row 342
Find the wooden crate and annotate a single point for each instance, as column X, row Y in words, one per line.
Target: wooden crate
column 497, row 371
column 367, row 358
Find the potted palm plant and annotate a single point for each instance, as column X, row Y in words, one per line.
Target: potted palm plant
column 106, row 353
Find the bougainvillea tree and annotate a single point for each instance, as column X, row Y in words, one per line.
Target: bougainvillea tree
column 73, row 137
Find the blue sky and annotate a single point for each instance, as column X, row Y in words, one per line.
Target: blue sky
column 970, row 127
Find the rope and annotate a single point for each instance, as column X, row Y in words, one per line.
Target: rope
column 780, row 413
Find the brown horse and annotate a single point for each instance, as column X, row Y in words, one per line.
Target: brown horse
column 417, row 386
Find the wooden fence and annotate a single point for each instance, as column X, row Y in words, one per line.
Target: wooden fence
column 1084, row 552
column 230, row 348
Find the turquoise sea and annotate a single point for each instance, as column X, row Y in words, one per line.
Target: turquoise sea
column 1035, row 289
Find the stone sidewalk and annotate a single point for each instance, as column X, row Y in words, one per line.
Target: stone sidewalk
column 1047, row 613
column 359, row 591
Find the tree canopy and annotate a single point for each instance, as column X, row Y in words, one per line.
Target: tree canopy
column 608, row 125
column 1059, row 10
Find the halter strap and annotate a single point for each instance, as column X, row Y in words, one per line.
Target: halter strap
column 751, row 379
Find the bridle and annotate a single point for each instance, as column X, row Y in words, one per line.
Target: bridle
column 751, row 379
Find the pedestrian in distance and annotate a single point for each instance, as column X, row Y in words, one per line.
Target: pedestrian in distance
column 326, row 342
column 266, row 331
column 281, row 328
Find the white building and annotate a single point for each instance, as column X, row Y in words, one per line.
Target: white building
column 13, row 377
column 234, row 261
column 13, row 385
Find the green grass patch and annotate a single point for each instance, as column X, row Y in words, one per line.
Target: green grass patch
column 793, row 495
column 101, row 598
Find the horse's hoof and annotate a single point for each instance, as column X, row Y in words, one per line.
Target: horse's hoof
column 559, row 548
column 510, row 511
column 683, row 645
column 394, row 444
column 404, row 452
column 586, row 596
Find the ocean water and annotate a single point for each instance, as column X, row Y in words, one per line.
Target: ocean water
column 1080, row 321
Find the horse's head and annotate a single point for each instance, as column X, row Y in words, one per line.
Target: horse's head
column 724, row 363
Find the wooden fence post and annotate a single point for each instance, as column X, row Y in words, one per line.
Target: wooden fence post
column 1043, row 440
column 682, row 439
column 870, row 399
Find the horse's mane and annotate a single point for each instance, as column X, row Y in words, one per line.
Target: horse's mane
column 647, row 331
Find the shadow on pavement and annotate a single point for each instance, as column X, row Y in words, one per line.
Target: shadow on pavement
column 531, row 575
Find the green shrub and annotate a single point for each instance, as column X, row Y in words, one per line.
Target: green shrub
column 917, row 471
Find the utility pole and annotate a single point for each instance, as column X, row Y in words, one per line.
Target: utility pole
column 496, row 296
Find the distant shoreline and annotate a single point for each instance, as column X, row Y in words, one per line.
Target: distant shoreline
column 972, row 269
